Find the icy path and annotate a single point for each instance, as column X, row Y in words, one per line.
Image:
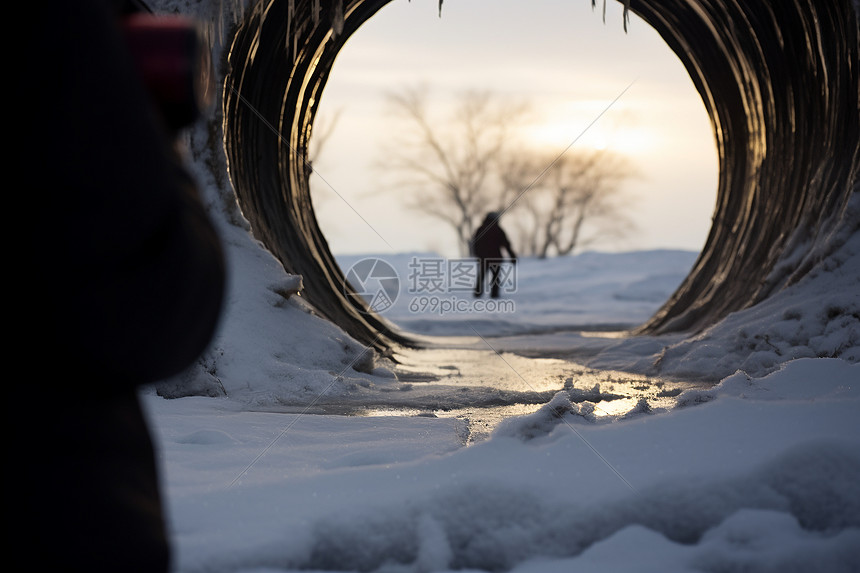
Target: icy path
column 482, row 381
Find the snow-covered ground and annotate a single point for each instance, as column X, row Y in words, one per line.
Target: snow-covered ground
column 537, row 439
column 763, row 477
column 589, row 291
column 734, row 450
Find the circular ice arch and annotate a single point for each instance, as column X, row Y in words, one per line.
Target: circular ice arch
column 778, row 79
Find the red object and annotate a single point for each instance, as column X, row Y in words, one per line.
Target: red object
column 174, row 62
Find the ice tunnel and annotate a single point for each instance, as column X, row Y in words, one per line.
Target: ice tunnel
column 778, row 78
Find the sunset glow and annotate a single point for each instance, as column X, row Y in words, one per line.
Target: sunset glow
column 562, row 136
column 587, row 84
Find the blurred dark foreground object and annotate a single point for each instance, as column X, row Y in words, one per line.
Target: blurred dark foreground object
column 124, row 286
column 175, row 63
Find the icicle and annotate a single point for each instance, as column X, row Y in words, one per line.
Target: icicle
column 626, row 13
column 294, row 34
column 626, row 17
column 440, row 8
column 263, row 12
column 291, row 12
column 337, row 17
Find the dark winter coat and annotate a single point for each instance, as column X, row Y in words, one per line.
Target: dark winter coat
column 490, row 240
column 126, row 289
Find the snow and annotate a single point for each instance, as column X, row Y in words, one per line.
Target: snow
column 590, row 290
column 535, row 441
column 760, row 475
column 527, row 441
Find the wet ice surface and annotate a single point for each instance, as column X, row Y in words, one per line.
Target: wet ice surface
column 481, row 367
column 455, row 378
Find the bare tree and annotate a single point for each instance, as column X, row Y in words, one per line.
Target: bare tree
column 520, row 175
column 570, row 202
column 451, row 168
column 470, row 163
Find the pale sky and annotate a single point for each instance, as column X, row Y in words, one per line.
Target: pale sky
column 557, row 54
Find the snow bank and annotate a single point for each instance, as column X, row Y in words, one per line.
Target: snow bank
column 760, row 476
column 272, row 348
column 818, row 316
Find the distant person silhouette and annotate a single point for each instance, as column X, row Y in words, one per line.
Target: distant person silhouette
column 125, row 289
column 488, row 242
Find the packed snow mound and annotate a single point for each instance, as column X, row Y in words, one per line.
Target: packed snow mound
column 760, row 476
column 808, row 383
column 808, row 493
column 816, row 317
column 272, row 348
